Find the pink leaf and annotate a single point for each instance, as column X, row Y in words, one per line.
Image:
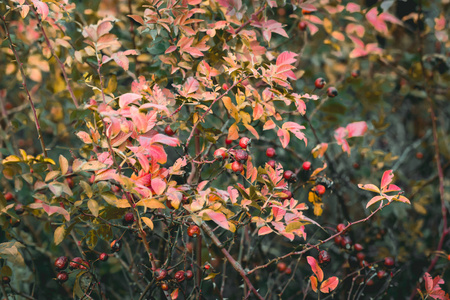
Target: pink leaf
column 353, row 7
column 286, row 58
column 284, row 137
column 387, row 178
column 432, row 287
column 158, row 185
column 315, row 267
column 356, row 129
column 50, row 210
column 41, row 8
column 164, row 139
column 264, row 230
column 218, row 218
column 296, row 130
column 329, row 285
column 191, row 86
column 128, row 98
column 374, row 200
column 392, row 188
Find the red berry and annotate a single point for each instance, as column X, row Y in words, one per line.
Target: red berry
column 228, row 142
column 360, row 256
column 358, row 247
column 189, row 275
column 389, row 262
column 61, row 263
column 8, row 106
column 346, row 242
column 237, row 167
column 270, row 152
column 320, row 189
column 193, row 231
column 70, row 182
column 288, row 271
column 19, row 209
column 103, row 256
column 271, row 163
column 75, row 263
column 370, row 282
column 319, row 83
column 381, row 274
column 62, row 277
column 332, row 92
column 160, row 274
column 164, row 286
column 288, row 194
column 324, row 257
column 419, row 155
column 281, row 266
column 168, row 131
column 8, row 196
column 306, row 166
column 179, row 276
column 84, row 265
column 206, row 266
column 220, row 153
column 355, row 73
column 244, row 142
column 128, row 218
column 115, row 189
column 6, row 279
column 116, row 245
column 340, row 227
column 289, row 175
column 225, row 86
column 302, row 25
column 241, row 155
column 338, row 240
column 355, row 166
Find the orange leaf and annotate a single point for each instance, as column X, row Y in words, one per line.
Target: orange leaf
column 329, row 285
column 313, row 283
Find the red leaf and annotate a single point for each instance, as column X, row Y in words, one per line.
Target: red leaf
column 286, row 58
column 128, row 98
column 315, row 267
column 158, row 185
column 41, row 8
column 329, row 285
column 174, row 294
column 356, row 129
column 218, row 218
column 387, row 178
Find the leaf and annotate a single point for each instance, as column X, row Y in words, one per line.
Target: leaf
column 264, row 230
column 315, row 267
column 314, row 283
column 158, row 185
column 10, row 252
column 284, row 137
column 59, row 234
column 174, row 294
column 432, row 286
column 392, row 188
column 387, row 178
column 128, row 98
column 148, row 222
column 375, row 200
column 50, row 210
column 151, row 203
column 93, row 166
column 329, row 285
column 93, row 207
column 369, row 187
column 41, row 8
column 402, row 199
column 356, row 129
column 211, row 276
column 296, row 130
column 218, row 218
column 64, row 165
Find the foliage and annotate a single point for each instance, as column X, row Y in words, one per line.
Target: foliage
column 139, row 129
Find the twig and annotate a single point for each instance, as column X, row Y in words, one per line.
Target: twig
column 230, row 258
column 320, row 243
column 24, row 84
column 52, row 50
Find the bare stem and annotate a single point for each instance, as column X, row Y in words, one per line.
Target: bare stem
column 24, row 84
column 52, row 50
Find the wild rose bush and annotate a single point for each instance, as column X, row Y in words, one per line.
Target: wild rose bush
column 223, row 149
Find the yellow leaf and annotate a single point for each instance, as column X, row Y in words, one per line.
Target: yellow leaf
column 148, row 222
column 151, row 203
column 64, row 164
column 327, row 25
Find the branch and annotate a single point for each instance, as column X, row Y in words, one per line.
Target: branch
column 321, row 242
column 230, row 258
column 52, row 50
column 24, row 84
